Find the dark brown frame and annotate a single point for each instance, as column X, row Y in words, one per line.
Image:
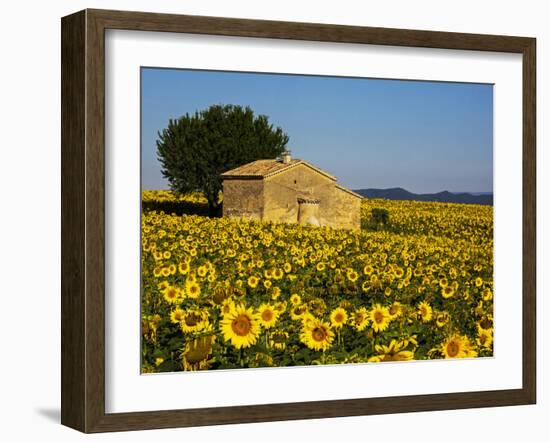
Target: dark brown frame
column 83, row 215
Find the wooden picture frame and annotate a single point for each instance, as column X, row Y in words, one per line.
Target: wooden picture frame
column 83, row 220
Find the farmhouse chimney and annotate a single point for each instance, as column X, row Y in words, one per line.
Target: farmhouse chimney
column 286, row 157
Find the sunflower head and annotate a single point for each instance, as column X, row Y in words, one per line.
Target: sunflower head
column 317, row 335
column 241, row 327
column 379, row 318
column 267, row 315
column 338, row 317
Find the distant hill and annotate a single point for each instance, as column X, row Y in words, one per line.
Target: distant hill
column 398, row 193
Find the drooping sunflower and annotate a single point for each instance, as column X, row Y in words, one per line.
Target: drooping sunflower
column 277, row 339
column 338, row 317
column 267, row 315
column 379, row 318
column 241, row 327
column 456, row 346
column 195, row 355
column 317, row 335
column 425, row 311
column 297, row 311
column 395, row 351
column 194, row 320
column 441, row 319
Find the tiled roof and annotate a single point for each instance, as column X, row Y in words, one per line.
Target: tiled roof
column 266, row 168
column 351, row 192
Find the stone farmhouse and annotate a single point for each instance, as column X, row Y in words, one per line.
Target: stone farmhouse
column 289, row 190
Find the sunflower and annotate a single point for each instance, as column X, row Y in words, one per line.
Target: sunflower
column 395, row 351
column 201, row 271
column 176, row 315
column 478, row 282
column 379, row 317
column 487, row 294
column 267, row 315
column 193, row 321
column 192, row 289
column 398, row 272
column 447, row 292
column 277, row 273
column 368, row 269
column 195, row 354
column 297, row 311
column 425, row 311
column 484, row 338
column 227, row 306
column 253, row 281
column 320, row 266
column 287, row 267
column 395, row 310
column 171, row 294
column 280, row 306
column 352, row 275
column 241, row 327
column 441, row 319
column 317, row 335
column 387, row 291
column 360, row 319
column 338, row 317
column 295, row 299
column 275, row 293
column 457, row 347
column 277, row 339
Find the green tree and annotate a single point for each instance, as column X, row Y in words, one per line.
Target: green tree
column 195, row 149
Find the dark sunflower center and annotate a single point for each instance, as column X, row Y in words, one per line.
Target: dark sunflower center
column 319, row 334
column 192, row 319
column 338, row 317
column 453, row 348
column 378, row 317
column 241, row 325
column 267, row 315
column 393, row 309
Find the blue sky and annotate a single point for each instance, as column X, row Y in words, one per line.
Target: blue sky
column 370, row 133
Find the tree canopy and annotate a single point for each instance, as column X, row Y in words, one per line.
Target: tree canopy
column 195, row 149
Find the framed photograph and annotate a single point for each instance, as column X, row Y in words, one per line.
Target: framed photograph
column 266, row 220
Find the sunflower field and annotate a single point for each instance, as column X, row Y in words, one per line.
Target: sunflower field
column 221, row 293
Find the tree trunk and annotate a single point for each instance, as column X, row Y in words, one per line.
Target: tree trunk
column 214, row 209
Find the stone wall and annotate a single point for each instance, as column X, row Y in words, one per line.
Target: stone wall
column 243, row 198
column 345, row 210
column 282, row 191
